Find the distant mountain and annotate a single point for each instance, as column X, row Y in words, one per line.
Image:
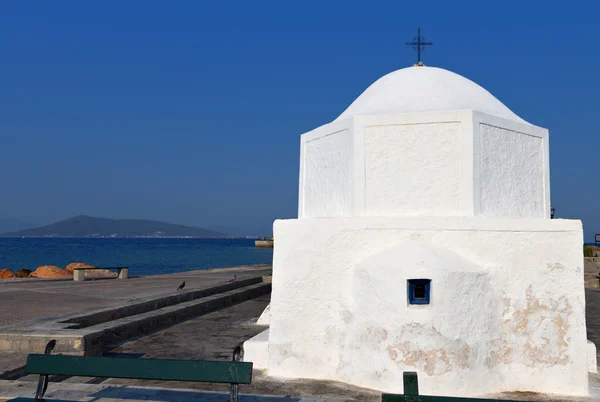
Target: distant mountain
column 14, row 224
column 88, row 226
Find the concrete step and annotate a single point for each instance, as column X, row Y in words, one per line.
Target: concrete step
column 114, row 332
column 106, row 315
column 92, row 333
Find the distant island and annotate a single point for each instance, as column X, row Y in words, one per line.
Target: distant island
column 89, row 226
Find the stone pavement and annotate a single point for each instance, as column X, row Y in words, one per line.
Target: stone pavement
column 213, row 336
column 103, row 393
column 27, row 299
column 592, row 316
column 11, row 363
column 22, row 300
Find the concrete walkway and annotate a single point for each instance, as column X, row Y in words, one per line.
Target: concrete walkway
column 104, row 393
column 212, row 336
column 23, row 300
column 27, row 299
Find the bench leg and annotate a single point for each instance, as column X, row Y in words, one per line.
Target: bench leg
column 123, row 273
column 79, row 275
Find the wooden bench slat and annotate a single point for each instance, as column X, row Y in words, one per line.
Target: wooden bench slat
column 147, row 369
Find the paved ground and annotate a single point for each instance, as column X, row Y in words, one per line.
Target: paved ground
column 103, row 393
column 11, row 363
column 212, row 336
column 591, row 269
column 592, row 315
column 26, row 299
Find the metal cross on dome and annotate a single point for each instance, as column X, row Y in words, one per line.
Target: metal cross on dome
column 419, row 44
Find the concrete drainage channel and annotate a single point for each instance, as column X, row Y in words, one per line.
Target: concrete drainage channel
column 90, row 334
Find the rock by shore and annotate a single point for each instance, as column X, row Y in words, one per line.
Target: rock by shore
column 91, row 274
column 23, row 273
column 6, row 273
column 74, row 265
column 54, row 272
column 50, row 272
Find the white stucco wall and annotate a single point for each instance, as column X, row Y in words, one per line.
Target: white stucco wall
column 413, row 169
column 512, row 173
column 256, row 350
column 458, row 163
column 507, row 310
column 326, row 170
column 592, row 357
column 411, row 185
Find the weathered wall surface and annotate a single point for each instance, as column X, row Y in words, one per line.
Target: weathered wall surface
column 413, row 169
column 507, row 310
column 512, row 175
column 326, row 182
column 461, row 163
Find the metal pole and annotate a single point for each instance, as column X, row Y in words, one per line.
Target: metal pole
column 419, row 45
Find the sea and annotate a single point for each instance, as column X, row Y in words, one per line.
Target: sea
column 146, row 256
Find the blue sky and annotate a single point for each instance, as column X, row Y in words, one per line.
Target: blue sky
column 191, row 111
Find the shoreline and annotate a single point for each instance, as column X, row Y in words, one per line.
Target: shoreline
column 236, row 268
column 129, row 237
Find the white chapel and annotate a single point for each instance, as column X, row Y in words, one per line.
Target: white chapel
column 424, row 242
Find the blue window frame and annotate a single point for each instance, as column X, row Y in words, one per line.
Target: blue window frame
column 419, row 291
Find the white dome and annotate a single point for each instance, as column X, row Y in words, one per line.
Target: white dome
column 420, row 89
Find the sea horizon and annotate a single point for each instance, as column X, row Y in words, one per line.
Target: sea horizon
column 144, row 256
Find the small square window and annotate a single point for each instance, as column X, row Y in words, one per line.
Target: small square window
column 419, row 291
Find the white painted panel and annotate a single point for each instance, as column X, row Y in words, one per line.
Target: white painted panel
column 511, row 173
column 413, row 169
column 328, row 175
column 507, row 311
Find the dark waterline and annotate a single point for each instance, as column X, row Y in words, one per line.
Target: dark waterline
column 143, row 256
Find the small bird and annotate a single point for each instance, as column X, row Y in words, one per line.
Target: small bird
column 43, row 382
column 237, row 353
column 234, row 278
column 181, row 286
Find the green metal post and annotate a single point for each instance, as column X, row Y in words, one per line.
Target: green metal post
column 411, row 383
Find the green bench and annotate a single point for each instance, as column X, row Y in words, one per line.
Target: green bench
column 79, row 273
column 234, row 372
column 411, row 394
